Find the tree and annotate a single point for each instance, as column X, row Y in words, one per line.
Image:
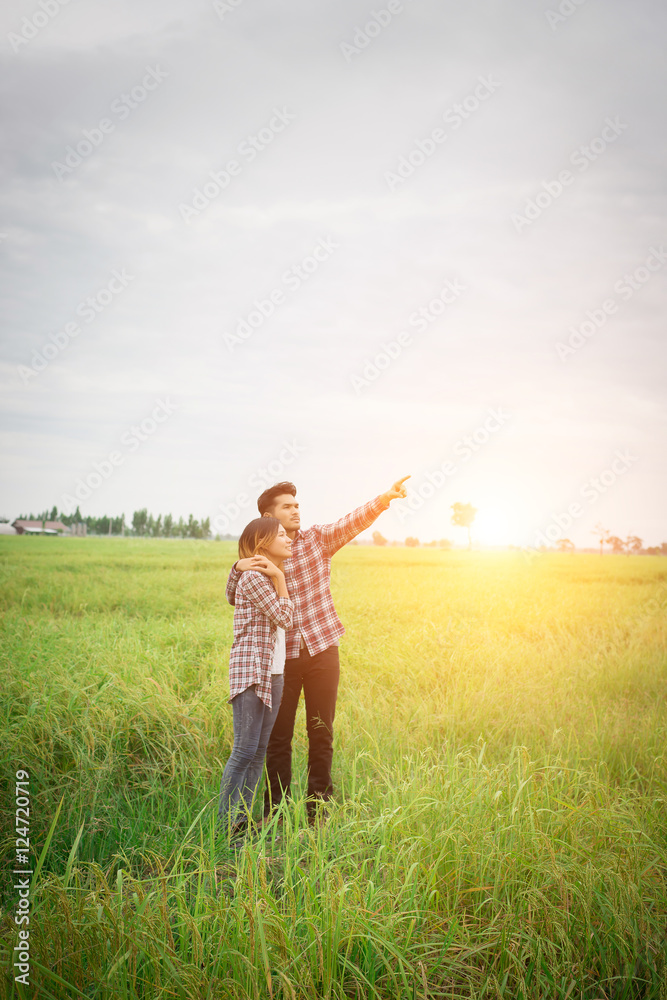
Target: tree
column 602, row 534
column 139, row 521
column 157, row 527
column 168, row 525
column 634, row 544
column 445, row 543
column 411, row 542
column 565, row 545
column 53, row 516
column 101, row 525
column 463, row 516
column 206, row 528
column 617, row 544
column 379, row 539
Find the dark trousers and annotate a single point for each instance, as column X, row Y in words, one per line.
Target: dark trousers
column 318, row 676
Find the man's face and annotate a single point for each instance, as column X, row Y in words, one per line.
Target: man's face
column 286, row 509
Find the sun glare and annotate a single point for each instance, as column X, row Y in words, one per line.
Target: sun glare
column 494, row 525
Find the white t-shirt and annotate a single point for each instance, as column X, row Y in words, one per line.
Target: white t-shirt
column 278, row 665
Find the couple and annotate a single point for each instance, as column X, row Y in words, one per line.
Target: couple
column 286, row 634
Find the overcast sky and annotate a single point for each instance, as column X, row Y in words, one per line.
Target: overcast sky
column 436, row 245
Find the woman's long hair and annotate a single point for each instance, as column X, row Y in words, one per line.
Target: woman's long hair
column 257, row 535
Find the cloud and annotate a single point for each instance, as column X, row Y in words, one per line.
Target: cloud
column 221, row 81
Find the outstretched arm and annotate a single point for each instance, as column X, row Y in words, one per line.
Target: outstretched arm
column 335, row 535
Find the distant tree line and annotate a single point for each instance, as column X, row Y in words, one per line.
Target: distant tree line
column 464, row 515
column 411, row 542
column 94, row 525
column 632, row 543
column 143, row 524
column 165, row 526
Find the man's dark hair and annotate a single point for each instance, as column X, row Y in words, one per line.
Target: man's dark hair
column 268, row 497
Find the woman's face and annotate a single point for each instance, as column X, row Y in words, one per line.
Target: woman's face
column 281, row 546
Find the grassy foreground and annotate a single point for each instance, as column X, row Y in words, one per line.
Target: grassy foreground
column 500, row 826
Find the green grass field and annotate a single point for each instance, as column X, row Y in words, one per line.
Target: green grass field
column 500, row 820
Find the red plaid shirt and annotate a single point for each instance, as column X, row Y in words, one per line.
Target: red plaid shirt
column 257, row 612
column 307, row 573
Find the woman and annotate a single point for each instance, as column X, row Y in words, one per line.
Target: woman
column 262, row 612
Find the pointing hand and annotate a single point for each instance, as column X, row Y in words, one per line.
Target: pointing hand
column 397, row 491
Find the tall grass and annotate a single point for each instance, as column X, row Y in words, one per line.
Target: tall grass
column 499, row 828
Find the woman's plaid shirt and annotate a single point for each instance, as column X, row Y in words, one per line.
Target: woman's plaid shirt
column 307, row 573
column 257, row 613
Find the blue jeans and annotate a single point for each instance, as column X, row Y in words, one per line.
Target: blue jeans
column 253, row 723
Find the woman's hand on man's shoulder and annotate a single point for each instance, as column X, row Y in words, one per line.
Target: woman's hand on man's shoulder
column 259, row 563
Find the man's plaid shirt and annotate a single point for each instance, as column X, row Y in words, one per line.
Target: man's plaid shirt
column 257, row 612
column 307, row 573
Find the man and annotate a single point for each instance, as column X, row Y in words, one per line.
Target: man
column 312, row 644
